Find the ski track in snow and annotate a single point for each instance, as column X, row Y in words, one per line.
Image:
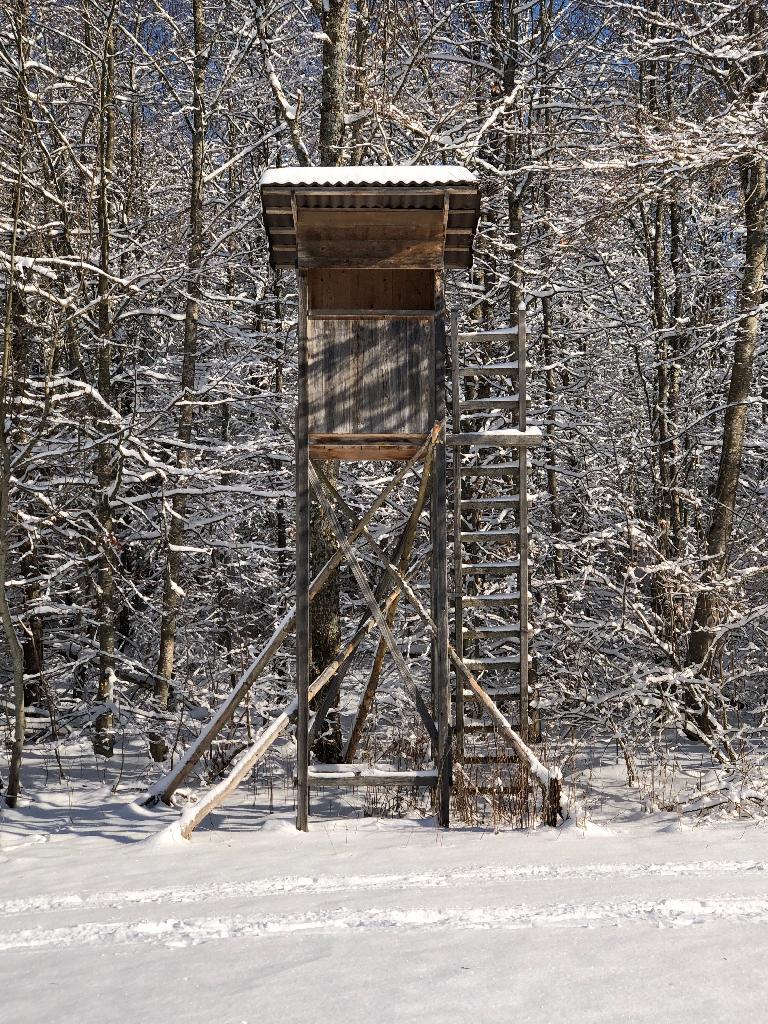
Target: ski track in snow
column 320, row 884
column 172, row 932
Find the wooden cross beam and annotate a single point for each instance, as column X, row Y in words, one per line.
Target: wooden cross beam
column 386, row 633
column 403, row 555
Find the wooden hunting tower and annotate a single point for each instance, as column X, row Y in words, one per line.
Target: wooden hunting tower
column 371, row 246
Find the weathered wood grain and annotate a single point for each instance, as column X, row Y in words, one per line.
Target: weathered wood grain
column 369, row 377
column 365, row 290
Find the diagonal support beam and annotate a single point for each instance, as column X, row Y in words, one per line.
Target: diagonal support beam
column 166, row 786
column 215, row 796
column 386, row 633
column 402, row 555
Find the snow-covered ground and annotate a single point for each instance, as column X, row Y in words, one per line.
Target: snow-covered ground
column 637, row 917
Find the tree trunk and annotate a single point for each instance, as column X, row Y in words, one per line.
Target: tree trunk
column 707, row 615
column 333, row 105
column 325, row 622
column 6, row 417
column 172, row 592
column 104, row 737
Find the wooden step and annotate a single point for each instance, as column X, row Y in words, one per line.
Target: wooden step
column 491, row 568
column 508, row 501
column 495, row 694
column 505, row 469
column 492, row 664
column 498, row 790
column 510, row 631
column 490, row 370
column 483, row 759
column 530, row 438
column 489, row 536
column 490, row 403
column 497, row 335
column 477, row 600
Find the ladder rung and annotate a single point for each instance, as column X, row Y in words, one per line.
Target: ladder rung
column 492, row 632
column 490, row 403
column 491, row 568
column 489, row 536
column 491, row 664
column 510, row 501
column 496, row 470
column 530, row 438
column 494, row 694
column 497, row 335
column 498, row 790
column 513, row 597
column 491, row 369
column 481, row 759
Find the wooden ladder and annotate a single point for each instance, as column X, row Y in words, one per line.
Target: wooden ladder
column 490, row 442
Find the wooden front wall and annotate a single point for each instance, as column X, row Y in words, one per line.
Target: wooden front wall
column 370, row 374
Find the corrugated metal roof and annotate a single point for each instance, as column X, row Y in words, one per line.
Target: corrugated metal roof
column 399, row 175
column 287, row 191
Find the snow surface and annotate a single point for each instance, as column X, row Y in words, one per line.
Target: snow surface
column 633, row 917
column 399, row 174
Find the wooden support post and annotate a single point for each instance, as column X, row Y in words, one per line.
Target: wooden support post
column 441, row 684
column 302, row 568
column 523, row 522
column 458, row 579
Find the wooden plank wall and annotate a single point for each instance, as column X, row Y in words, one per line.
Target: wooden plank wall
column 369, row 376
column 357, row 291
column 370, row 238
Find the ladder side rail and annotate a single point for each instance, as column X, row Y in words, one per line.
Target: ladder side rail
column 302, row 513
column 458, row 577
column 523, row 522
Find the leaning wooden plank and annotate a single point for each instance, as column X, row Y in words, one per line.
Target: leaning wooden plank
column 196, row 813
column 166, row 786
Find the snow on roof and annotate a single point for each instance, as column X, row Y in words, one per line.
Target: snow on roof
column 400, row 175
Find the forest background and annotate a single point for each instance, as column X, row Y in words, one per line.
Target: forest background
column 148, row 369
